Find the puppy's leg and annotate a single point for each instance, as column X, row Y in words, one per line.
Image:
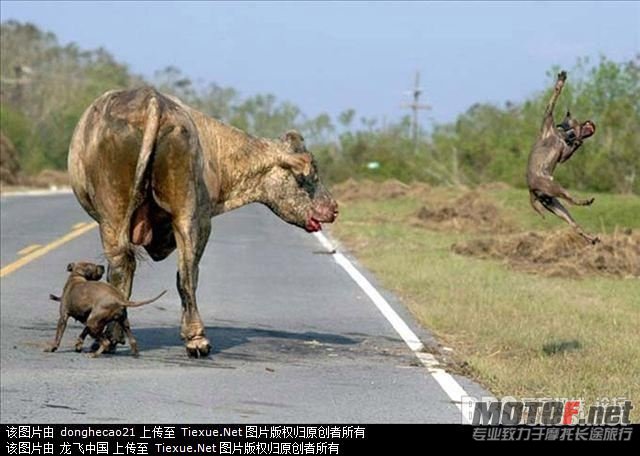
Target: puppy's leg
column 62, row 324
column 95, row 327
column 552, row 188
column 554, row 206
column 132, row 340
column 103, row 344
column 80, row 340
column 535, row 204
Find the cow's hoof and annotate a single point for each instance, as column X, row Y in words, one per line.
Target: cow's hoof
column 198, row 347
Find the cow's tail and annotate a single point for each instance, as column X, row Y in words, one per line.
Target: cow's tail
column 138, row 189
column 142, row 303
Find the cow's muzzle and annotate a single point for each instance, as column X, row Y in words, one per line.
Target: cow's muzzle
column 325, row 212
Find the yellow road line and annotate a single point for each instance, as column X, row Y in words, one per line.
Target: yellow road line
column 8, row 269
column 80, row 225
column 29, row 249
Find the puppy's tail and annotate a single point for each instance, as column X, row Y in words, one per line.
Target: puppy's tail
column 55, row 298
column 142, row 303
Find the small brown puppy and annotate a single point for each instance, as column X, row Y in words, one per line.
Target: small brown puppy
column 95, row 304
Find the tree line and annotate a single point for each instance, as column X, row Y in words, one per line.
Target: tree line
column 45, row 86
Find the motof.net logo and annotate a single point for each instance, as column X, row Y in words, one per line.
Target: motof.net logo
column 545, row 411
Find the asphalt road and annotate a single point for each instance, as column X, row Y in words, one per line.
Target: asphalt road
column 295, row 339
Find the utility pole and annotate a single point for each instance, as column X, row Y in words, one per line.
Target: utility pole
column 415, row 106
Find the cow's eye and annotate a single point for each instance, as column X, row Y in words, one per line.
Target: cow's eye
column 308, row 183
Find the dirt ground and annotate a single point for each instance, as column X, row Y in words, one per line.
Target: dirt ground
column 469, row 212
column 472, row 211
column 353, row 190
column 559, row 253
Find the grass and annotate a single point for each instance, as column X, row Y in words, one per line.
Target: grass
column 520, row 334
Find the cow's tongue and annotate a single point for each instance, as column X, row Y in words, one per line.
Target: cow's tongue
column 313, row 225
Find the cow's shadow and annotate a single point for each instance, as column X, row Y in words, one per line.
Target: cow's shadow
column 235, row 341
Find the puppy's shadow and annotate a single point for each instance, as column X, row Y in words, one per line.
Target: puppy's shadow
column 227, row 338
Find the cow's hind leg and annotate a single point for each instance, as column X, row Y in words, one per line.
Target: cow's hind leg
column 132, row 340
column 80, row 340
column 122, row 266
column 191, row 238
column 179, row 190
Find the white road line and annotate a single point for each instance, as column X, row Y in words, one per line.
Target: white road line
column 449, row 385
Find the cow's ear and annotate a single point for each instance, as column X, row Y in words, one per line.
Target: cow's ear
column 295, row 140
column 70, row 267
column 300, row 164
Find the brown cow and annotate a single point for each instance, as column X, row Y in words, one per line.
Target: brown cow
column 152, row 172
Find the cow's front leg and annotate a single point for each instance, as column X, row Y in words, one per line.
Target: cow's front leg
column 122, row 266
column 191, row 238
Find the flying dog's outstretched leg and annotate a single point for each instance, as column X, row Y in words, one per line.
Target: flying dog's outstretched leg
column 554, row 206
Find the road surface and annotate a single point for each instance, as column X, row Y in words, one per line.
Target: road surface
column 295, row 338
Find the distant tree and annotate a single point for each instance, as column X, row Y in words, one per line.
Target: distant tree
column 44, row 88
column 171, row 80
column 346, row 117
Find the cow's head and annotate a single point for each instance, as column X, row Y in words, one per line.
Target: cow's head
column 293, row 190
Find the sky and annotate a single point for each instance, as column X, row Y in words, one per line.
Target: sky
column 332, row 56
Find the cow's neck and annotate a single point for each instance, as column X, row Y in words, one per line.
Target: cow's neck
column 242, row 190
column 237, row 164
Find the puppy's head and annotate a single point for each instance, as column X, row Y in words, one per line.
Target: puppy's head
column 89, row 271
column 572, row 130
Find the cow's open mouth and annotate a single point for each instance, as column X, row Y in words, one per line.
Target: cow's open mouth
column 313, row 225
column 318, row 216
column 314, row 222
